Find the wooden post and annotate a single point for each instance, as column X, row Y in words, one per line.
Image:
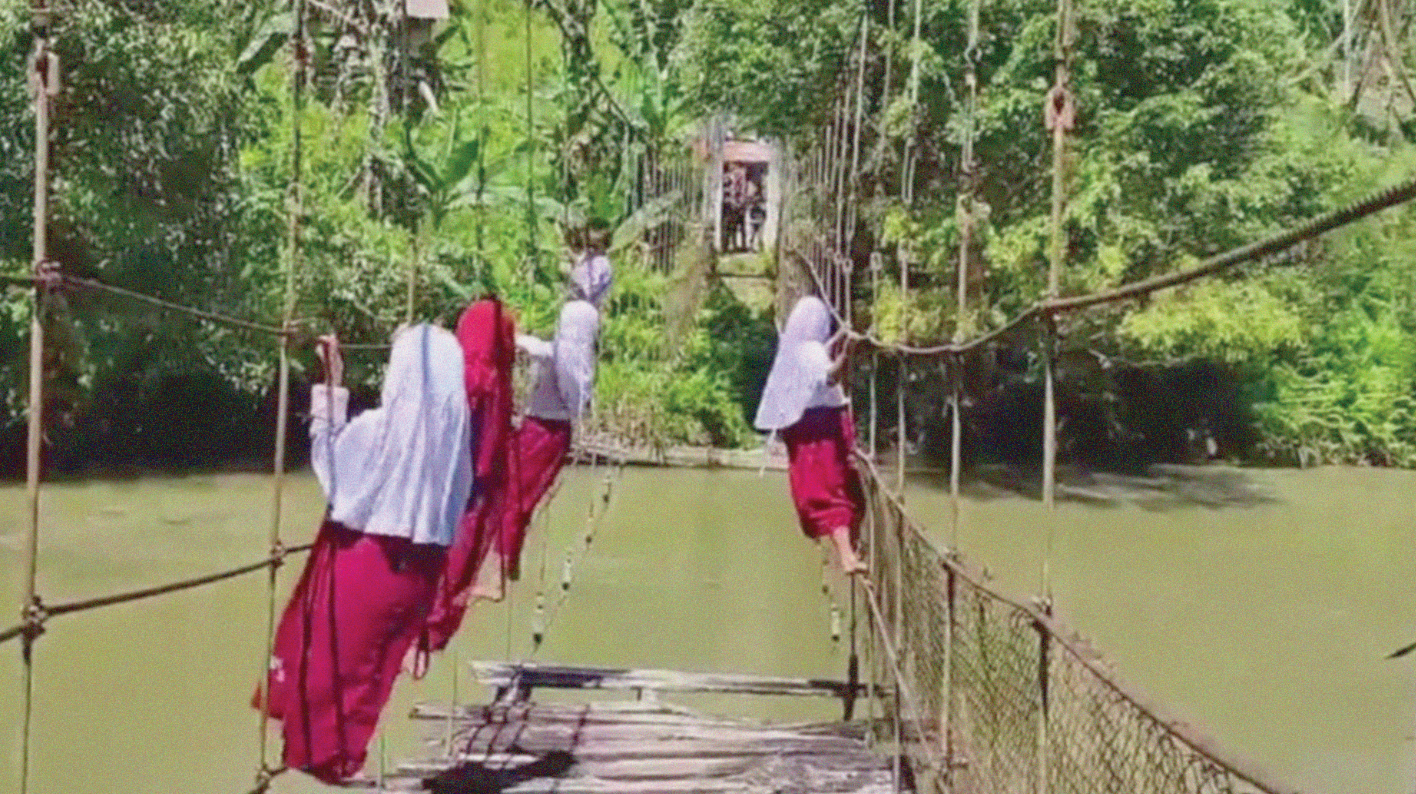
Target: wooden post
column 42, row 79
column 1346, row 88
column 855, row 141
column 1059, row 115
column 1044, row 680
column 853, row 662
column 877, row 263
column 297, row 44
column 947, row 720
column 715, row 182
column 873, row 562
column 956, row 453
column 965, row 214
column 1060, row 112
column 900, row 430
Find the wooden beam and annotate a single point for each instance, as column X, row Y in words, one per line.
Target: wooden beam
column 530, row 676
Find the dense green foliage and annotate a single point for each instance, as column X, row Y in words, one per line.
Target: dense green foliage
column 1202, row 124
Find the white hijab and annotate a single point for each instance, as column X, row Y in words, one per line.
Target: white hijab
column 576, row 331
column 404, row 469
column 799, row 377
column 591, row 278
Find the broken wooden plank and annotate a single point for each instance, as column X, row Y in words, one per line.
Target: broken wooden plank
column 506, row 675
column 645, row 776
column 596, row 748
column 591, row 713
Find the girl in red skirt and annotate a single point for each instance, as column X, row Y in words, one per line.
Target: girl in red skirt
column 802, row 403
column 397, row 478
column 488, row 338
column 565, row 380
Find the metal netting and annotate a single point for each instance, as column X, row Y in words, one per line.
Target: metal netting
column 988, row 694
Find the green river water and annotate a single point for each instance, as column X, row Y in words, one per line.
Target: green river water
column 1255, row 604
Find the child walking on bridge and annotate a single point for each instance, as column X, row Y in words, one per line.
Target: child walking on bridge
column 803, row 403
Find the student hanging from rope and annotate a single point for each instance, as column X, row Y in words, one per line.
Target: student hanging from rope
column 397, row 478
column 565, row 380
column 488, row 337
column 803, row 403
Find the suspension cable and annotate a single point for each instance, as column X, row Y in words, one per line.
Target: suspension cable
column 545, row 619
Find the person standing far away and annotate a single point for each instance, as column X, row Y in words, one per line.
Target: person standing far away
column 802, row 403
column 565, row 382
column 397, row 479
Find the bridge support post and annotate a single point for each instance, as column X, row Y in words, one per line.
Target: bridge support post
column 1042, row 783
column 946, row 718
column 43, row 77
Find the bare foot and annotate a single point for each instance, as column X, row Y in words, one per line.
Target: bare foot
column 415, row 662
column 851, row 564
column 494, row 590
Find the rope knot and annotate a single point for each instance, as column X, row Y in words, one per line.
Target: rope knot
column 48, row 275
column 33, row 617
column 265, row 775
column 278, row 551
column 1060, row 109
column 1043, row 604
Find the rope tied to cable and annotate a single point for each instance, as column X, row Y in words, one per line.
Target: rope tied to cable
column 32, row 620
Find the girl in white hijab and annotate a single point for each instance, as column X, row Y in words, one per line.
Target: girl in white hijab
column 565, row 382
column 803, row 404
column 397, row 478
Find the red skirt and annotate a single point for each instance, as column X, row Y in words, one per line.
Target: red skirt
column 540, row 446
column 357, row 608
column 825, row 485
column 475, row 535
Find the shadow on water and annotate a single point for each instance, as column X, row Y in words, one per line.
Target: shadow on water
column 477, row 778
column 1161, row 487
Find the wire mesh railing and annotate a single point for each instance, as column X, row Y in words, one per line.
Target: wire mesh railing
column 989, row 694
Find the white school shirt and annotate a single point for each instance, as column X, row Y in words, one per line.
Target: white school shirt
column 403, row 469
column 800, row 375
column 565, row 367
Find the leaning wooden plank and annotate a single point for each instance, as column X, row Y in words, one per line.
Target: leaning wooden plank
column 823, row 770
column 474, row 778
column 593, row 786
column 619, row 712
column 562, row 732
column 503, row 674
column 596, row 748
column 461, row 780
column 593, row 713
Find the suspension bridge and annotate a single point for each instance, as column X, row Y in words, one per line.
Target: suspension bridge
column 963, row 688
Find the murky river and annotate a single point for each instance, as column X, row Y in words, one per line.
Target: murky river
column 1255, row 604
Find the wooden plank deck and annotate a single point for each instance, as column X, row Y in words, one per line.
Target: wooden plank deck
column 504, row 676
column 642, row 746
